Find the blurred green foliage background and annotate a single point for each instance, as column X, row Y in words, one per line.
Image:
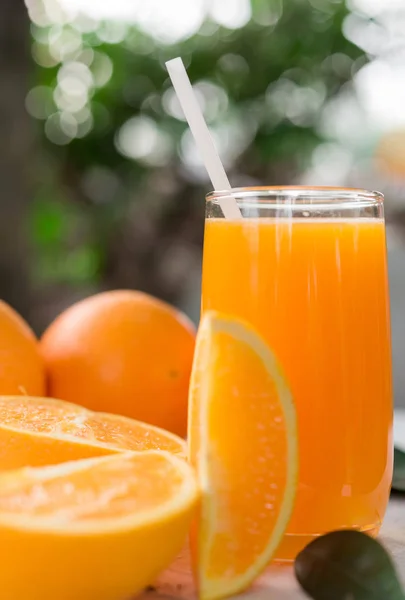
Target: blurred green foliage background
column 107, row 186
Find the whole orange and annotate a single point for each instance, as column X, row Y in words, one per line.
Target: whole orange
column 22, row 368
column 123, row 352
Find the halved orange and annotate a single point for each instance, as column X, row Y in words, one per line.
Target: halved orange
column 93, row 529
column 44, row 431
column 243, row 444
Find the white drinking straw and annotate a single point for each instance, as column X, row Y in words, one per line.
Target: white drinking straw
column 202, row 136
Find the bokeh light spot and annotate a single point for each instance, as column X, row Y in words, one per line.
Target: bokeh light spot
column 140, row 138
column 39, row 102
column 232, row 14
column 101, row 68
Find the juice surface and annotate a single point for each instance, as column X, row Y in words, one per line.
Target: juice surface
column 316, row 290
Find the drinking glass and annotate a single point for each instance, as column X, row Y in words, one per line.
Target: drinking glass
column 307, row 268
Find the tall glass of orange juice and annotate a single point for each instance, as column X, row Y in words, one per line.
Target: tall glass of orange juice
column 307, row 267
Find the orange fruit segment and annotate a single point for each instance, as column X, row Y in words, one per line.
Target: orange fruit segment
column 95, row 529
column 243, row 444
column 44, row 431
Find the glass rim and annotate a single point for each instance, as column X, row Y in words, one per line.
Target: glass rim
column 326, row 193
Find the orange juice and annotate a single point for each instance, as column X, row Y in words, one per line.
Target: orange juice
column 316, row 290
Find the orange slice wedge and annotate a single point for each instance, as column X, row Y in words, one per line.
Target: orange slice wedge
column 44, row 431
column 243, row 444
column 94, row 529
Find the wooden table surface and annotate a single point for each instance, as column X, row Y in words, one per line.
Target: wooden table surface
column 279, row 582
